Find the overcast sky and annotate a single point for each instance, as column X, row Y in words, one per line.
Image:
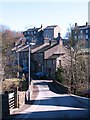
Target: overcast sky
column 21, row 15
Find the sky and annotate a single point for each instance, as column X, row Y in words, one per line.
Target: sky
column 20, row 16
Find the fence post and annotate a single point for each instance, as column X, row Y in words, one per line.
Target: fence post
column 16, row 97
column 0, row 106
column 5, row 105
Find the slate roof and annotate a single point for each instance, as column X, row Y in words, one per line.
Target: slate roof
column 48, row 47
column 83, row 27
column 51, row 27
column 32, row 29
column 43, row 48
column 54, row 56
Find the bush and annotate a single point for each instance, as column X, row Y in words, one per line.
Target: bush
column 10, row 84
column 23, row 85
column 58, row 74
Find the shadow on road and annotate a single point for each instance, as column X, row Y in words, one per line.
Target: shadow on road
column 69, row 110
column 64, row 101
column 51, row 86
column 55, row 90
column 51, row 115
column 66, row 113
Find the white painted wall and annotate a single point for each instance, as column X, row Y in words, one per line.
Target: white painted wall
column 56, row 31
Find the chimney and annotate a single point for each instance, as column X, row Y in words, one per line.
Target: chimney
column 41, row 25
column 49, row 41
column 58, row 38
column 86, row 23
column 75, row 24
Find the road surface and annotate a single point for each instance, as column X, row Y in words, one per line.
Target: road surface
column 49, row 103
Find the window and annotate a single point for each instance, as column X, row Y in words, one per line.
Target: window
column 75, row 37
column 46, row 62
column 27, row 37
column 81, row 36
column 86, row 31
column 86, row 36
column 31, row 32
column 81, row 31
column 39, row 57
column 28, row 32
column 52, row 62
column 75, row 32
column 59, row 62
column 24, row 33
column 34, row 32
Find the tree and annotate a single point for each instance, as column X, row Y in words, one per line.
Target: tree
column 78, row 67
column 76, row 72
column 8, row 39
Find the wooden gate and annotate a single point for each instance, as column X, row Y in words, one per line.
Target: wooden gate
column 11, row 98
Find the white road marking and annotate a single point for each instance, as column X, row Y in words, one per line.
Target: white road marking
column 33, row 109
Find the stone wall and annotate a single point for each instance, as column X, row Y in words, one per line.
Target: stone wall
column 23, row 95
column 21, row 98
column 60, row 87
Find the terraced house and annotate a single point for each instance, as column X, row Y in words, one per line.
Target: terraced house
column 45, row 57
column 83, row 33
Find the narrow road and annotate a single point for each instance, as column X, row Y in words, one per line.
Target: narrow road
column 49, row 103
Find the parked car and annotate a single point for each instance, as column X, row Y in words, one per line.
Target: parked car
column 40, row 75
column 87, row 93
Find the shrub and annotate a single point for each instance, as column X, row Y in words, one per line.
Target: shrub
column 10, row 84
column 58, row 74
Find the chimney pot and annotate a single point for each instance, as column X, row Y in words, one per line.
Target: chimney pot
column 86, row 23
column 75, row 24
